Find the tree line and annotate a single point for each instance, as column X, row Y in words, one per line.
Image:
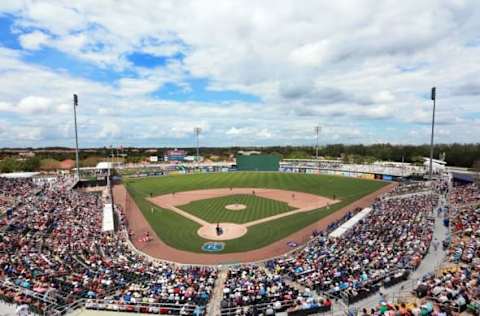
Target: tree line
column 461, row 155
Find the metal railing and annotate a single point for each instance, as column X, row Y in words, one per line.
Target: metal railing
column 114, row 305
column 285, row 305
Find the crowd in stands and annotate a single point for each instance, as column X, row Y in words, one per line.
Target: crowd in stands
column 53, row 246
column 465, row 194
column 393, row 238
column 13, row 190
column 423, row 308
column 53, row 252
column 457, row 287
column 407, row 188
column 180, row 287
column 250, row 290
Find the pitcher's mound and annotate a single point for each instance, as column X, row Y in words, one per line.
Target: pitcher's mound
column 230, row 231
column 235, row 207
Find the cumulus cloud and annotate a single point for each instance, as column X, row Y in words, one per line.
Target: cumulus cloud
column 312, row 54
column 33, row 40
column 31, row 105
column 109, row 130
column 34, row 105
column 357, row 66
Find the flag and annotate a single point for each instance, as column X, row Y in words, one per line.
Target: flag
column 434, row 90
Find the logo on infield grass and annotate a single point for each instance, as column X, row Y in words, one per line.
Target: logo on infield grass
column 213, row 246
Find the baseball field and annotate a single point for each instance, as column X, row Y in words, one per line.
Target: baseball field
column 253, row 209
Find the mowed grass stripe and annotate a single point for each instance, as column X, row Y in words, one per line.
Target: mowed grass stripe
column 213, row 210
column 180, row 232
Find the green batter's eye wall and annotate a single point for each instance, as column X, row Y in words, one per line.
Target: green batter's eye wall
column 258, row 162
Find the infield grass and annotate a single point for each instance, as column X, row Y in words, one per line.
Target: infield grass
column 213, row 210
column 181, row 233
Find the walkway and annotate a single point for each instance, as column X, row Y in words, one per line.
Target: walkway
column 7, row 309
column 213, row 307
column 429, row 264
column 407, row 195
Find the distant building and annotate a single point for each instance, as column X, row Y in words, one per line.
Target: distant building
column 67, row 164
column 193, row 158
column 248, row 153
column 437, row 165
column 175, row 155
column 27, row 154
column 105, row 165
column 153, row 158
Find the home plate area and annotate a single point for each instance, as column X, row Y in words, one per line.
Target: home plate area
column 222, row 231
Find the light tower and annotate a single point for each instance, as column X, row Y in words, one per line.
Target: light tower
column 77, row 163
column 318, row 129
column 434, row 98
column 197, row 131
column 430, row 171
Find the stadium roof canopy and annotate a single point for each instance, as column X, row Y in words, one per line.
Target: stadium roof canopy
column 350, row 223
column 18, row 175
column 107, row 223
column 107, row 165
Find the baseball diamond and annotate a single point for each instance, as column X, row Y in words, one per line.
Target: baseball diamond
column 184, row 212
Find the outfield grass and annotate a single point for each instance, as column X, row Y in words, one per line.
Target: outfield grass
column 181, row 233
column 213, row 210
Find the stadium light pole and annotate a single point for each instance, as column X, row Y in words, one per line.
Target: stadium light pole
column 197, row 131
column 77, row 163
column 433, row 97
column 317, row 131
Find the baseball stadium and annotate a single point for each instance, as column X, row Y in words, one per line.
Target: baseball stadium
column 239, row 158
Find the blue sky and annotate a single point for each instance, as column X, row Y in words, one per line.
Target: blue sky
column 261, row 74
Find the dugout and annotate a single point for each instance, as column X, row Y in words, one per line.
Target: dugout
column 258, row 162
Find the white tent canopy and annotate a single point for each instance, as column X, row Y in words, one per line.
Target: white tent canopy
column 107, row 224
column 350, row 223
column 18, row 175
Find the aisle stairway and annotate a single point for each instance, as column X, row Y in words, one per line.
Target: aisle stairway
column 213, row 307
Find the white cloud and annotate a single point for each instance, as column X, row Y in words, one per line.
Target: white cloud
column 184, row 129
column 33, row 40
column 235, row 131
column 109, row 130
column 249, row 133
column 33, row 133
column 358, row 66
column 131, row 86
column 312, row 54
column 5, row 107
column 383, row 97
column 34, row 105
